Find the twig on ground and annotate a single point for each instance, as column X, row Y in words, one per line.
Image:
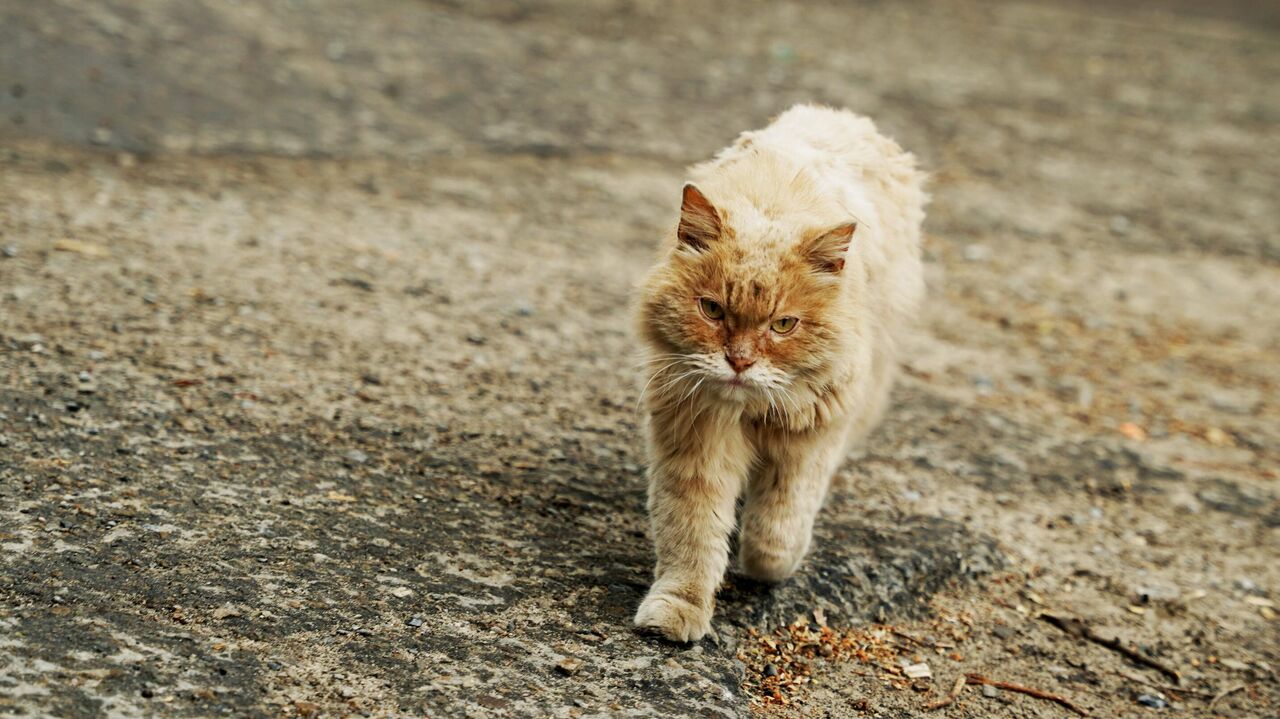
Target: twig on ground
column 948, row 699
column 1222, row 695
column 1080, row 630
column 913, row 640
column 1029, row 691
column 1163, row 687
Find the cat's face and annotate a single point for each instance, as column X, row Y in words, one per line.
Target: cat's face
column 744, row 316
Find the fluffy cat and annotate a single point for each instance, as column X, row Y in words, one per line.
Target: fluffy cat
column 771, row 324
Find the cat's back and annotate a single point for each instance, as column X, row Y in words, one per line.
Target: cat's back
column 851, row 168
column 818, row 137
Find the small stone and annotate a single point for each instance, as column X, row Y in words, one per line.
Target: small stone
column 274, row 666
column 101, row 136
column 983, row 385
column 976, row 253
column 1119, row 225
column 9, row 251
column 225, row 611
column 356, row 456
column 770, row 670
column 415, row 621
column 1004, row 632
column 568, row 666
column 1153, row 701
column 917, row 671
column 1235, row 402
column 346, row 692
column 989, row 691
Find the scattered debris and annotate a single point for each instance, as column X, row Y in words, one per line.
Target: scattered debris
column 1080, row 630
column 781, row 663
column 1029, row 691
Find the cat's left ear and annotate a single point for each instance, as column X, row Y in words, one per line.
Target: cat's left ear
column 827, row 250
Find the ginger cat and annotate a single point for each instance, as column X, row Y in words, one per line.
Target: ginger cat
column 771, row 325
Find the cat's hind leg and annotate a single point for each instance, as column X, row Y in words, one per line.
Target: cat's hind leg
column 783, row 498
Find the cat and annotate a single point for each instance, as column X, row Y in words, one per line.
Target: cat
column 770, row 326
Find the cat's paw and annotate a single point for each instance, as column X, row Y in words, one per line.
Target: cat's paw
column 673, row 618
column 769, row 565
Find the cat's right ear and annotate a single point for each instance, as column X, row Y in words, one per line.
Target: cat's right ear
column 699, row 221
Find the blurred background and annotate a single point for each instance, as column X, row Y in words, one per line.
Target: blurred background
column 316, row 369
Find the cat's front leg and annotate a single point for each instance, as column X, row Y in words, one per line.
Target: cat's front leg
column 783, row 498
column 694, row 479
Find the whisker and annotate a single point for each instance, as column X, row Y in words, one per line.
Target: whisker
column 655, row 375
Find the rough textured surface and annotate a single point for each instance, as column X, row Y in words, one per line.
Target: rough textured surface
column 316, row 385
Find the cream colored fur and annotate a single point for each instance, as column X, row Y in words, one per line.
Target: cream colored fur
column 761, row 236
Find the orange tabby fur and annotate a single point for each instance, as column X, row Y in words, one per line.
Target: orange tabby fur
column 817, row 217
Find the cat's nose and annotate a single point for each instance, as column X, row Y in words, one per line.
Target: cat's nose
column 739, row 363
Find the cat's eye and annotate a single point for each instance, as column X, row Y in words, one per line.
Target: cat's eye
column 710, row 309
column 784, row 325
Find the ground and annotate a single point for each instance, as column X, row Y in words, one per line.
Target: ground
column 317, row 377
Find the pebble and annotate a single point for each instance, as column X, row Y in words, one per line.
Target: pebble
column 569, row 666
column 770, row 670
column 1153, row 701
column 983, row 385
column 357, row 456
column 9, row 251
column 415, row 621
column 101, row 136
column 1120, row 225
column 989, row 691
column 976, row 253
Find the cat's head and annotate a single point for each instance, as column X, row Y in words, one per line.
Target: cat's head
column 746, row 303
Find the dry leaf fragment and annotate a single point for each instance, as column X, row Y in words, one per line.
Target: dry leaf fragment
column 339, row 497
column 1132, row 431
